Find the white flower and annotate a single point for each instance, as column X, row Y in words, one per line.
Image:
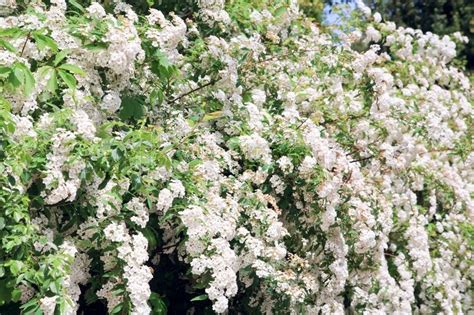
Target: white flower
column 48, row 305
column 165, row 200
column 255, row 147
column 177, row 188
column 377, row 17
column 96, row 11
column 111, row 102
column 116, row 232
column 84, row 125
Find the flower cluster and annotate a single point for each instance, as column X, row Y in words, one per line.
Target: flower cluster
column 234, row 154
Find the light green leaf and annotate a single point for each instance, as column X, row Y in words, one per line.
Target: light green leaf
column 76, row 5
column 59, row 57
column 43, row 41
column 280, row 11
column 52, row 83
column 72, row 68
column 212, row 116
column 201, row 297
column 68, row 78
column 8, row 46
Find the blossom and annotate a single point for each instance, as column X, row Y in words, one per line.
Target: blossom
column 165, row 200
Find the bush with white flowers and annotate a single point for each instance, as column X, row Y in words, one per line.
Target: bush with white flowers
column 230, row 156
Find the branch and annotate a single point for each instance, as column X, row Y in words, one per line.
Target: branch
column 362, row 159
column 24, row 44
column 192, row 91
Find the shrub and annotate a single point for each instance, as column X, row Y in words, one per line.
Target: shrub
column 230, row 157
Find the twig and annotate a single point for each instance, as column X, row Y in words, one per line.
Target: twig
column 24, row 44
column 362, row 159
column 192, row 91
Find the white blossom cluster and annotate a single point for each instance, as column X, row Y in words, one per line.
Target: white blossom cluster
column 275, row 167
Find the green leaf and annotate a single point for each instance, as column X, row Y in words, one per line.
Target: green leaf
column 212, row 116
column 52, row 84
column 158, row 306
column 5, row 72
column 2, row 223
column 280, row 11
column 72, row 68
column 15, row 266
column 24, row 77
column 30, row 307
column 76, row 5
column 12, row 32
column 156, row 97
column 16, row 294
column 132, row 107
column 68, row 78
column 7, row 46
column 59, row 57
column 201, row 297
column 117, row 308
column 43, row 41
column 5, row 292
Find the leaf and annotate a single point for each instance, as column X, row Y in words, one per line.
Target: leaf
column 156, row 97
column 52, row 83
column 68, row 78
column 30, row 307
column 5, row 293
column 280, row 11
column 2, row 223
column 5, row 72
column 158, row 306
column 117, row 309
column 59, row 57
column 13, row 32
column 76, row 5
column 212, row 116
column 15, row 266
column 201, row 297
column 24, row 77
column 43, row 41
column 151, row 237
column 72, row 68
column 16, row 294
column 8, row 46
column 132, row 107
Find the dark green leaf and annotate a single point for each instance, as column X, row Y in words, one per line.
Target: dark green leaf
column 132, row 107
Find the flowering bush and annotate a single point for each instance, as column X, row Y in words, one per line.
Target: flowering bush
column 234, row 156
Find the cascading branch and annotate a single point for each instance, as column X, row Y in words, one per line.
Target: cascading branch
column 230, row 156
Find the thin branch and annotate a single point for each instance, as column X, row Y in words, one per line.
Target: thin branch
column 362, row 159
column 24, row 44
column 192, row 91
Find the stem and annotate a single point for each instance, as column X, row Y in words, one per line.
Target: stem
column 24, row 44
column 192, row 91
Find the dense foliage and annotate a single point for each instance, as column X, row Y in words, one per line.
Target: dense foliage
column 215, row 156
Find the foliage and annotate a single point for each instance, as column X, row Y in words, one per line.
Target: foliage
column 209, row 157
